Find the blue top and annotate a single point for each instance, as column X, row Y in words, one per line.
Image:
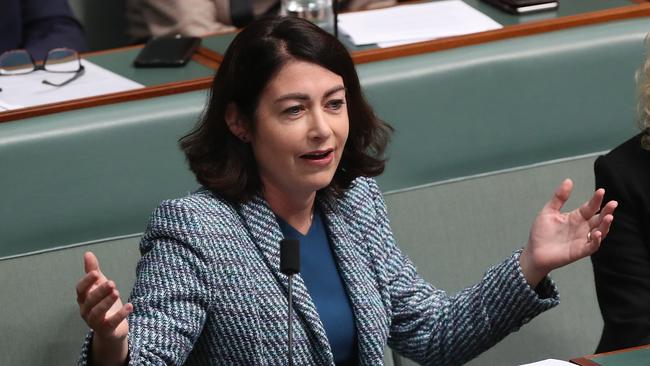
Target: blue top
column 319, row 271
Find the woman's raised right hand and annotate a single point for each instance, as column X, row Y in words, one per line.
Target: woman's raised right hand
column 101, row 308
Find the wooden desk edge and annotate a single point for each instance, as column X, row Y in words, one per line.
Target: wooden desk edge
column 518, row 30
column 143, row 93
column 588, row 360
column 584, row 362
column 640, row 8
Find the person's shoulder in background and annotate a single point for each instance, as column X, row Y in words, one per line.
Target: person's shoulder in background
column 39, row 26
column 622, row 265
column 367, row 4
column 627, row 159
column 153, row 18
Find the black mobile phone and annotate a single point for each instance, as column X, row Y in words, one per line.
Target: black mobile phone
column 167, row 51
column 524, row 6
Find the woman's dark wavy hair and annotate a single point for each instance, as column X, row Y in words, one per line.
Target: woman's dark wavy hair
column 226, row 165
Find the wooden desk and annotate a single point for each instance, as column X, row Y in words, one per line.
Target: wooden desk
column 635, row 356
column 571, row 13
column 199, row 72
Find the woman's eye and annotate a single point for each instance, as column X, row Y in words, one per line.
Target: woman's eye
column 294, row 110
column 335, row 104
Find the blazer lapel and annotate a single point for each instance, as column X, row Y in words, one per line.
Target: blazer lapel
column 265, row 231
column 370, row 316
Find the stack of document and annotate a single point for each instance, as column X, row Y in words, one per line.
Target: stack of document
column 414, row 23
column 28, row 90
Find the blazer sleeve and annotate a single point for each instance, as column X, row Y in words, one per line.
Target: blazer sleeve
column 433, row 328
column 49, row 24
column 171, row 293
column 621, row 265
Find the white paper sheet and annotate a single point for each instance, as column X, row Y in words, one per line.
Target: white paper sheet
column 19, row 91
column 550, row 362
column 415, row 22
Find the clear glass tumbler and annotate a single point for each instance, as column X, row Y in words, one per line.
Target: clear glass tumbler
column 319, row 12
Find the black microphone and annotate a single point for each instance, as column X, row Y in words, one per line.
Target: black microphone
column 290, row 265
column 289, row 256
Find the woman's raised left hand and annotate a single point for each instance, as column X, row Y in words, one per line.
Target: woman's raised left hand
column 557, row 239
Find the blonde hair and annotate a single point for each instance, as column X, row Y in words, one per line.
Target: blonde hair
column 643, row 82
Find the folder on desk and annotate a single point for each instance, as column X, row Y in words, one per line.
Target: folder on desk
column 523, row 6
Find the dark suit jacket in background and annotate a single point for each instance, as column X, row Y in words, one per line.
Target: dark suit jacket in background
column 622, row 265
column 38, row 26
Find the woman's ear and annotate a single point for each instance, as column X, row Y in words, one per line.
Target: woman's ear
column 236, row 123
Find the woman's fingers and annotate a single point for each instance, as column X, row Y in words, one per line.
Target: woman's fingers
column 92, row 278
column 605, row 224
column 594, row 243
column 597, row 234
column 114, row 320
column 95, row 296
column 608, row 209
column 90, row 262
column 84, row 285
column 97, row 314
column 591, row 207
column 99, row 301
column 560, row 196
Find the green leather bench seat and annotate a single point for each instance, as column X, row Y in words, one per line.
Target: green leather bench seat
column 98, row 172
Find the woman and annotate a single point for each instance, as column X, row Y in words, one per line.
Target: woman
column 622, row 268
column 288, row 142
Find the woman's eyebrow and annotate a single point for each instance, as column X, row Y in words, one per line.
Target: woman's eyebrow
column 291, row 96
column 305, row 97
column 333, row 90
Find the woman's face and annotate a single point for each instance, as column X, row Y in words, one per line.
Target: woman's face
column 300, row 129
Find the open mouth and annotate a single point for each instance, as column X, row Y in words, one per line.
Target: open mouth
column 317, row 155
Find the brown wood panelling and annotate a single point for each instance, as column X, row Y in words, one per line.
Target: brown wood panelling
column 208, row 58
column 588, row 360
column 217, row 57
column 584, row 362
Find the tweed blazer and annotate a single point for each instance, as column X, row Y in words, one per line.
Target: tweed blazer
column 209, row 290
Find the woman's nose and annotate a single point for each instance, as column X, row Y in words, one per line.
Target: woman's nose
column 319, row 125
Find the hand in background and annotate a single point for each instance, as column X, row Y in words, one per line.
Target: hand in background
column 557, row 239
column 101, row 308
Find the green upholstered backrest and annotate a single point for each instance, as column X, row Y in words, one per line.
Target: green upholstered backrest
column 40, row 320
column 453, row 231
column 508, row 103
column 92, row 173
